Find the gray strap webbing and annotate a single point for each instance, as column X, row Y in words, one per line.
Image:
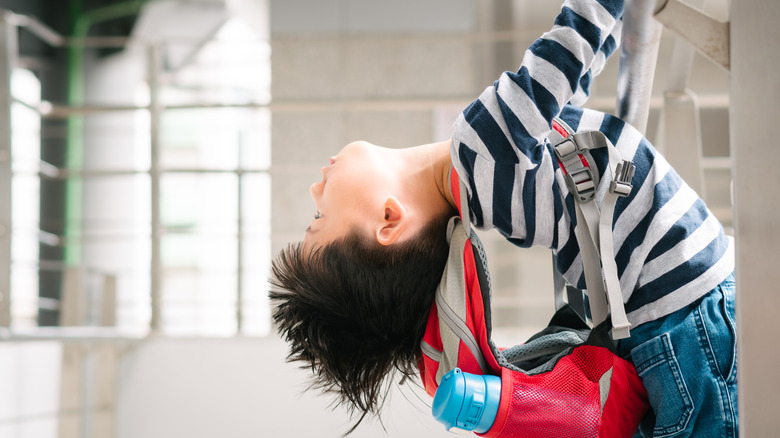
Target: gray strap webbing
column 559, row 284
column 597, row 296
column 574, row 296
column 464, row 207
column 620, row 186
column 451, row 306
column 594, row 227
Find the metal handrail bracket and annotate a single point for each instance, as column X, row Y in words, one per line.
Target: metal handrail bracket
column 708, row 35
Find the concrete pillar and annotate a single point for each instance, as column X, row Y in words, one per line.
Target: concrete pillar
column 754, row 93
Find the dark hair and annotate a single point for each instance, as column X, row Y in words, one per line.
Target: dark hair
column 355, row 311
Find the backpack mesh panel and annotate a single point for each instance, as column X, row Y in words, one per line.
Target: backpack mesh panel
column 563, row 403
column 595, row 364
column 578, row 409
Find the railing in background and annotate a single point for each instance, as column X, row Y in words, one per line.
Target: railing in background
column 82, row 330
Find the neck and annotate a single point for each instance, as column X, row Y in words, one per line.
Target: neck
column 425, row 172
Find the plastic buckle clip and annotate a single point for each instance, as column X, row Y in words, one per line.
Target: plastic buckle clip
column 622, row 331
column 582, row 184
column 621, row 183
column 580, row 177
column 565, row 148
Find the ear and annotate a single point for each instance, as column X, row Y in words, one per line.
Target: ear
column 394, row 222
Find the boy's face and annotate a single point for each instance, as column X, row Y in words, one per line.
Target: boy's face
column 347, row 195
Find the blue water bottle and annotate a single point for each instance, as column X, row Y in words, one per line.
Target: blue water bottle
column 467, row 401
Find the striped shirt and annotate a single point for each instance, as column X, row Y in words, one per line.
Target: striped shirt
column 669, row 248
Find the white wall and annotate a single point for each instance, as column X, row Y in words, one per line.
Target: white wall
column 29, row 389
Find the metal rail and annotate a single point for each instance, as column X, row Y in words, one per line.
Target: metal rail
column 72, row 334
column 8, row 56
column 638, row 54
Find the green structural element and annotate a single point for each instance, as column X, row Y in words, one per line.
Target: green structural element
column 81, row 22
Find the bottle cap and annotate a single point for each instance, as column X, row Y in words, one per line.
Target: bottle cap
column 467, row 401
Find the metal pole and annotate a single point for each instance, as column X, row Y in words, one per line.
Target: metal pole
column 755, row 90
column 8, row 55
column 154, row 175
column 638, row 54
column 240, row 241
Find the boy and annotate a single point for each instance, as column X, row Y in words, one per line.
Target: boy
column 352, row 299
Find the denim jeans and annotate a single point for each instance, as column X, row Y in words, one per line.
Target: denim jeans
column 688, row 363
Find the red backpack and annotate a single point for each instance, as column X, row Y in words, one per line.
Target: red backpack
column 565, row 381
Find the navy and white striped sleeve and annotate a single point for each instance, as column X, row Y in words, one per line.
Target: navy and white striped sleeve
column 500, row 143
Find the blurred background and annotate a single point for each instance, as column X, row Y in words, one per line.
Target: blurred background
column 156, row 154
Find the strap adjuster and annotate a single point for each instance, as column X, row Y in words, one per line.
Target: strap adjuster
column 582, row 184
column 565, row 148
column 579, row 170
column 621, row 183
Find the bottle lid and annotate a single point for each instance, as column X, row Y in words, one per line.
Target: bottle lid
column 467, row 401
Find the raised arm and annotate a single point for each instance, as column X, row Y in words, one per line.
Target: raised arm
column 499, row 134
column 608, row 47
column 559, row 65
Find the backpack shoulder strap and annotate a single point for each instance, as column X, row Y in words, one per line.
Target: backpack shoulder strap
column 594, row 225
column 452, row 306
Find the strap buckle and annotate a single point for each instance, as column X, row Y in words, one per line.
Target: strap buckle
column 621, row 183
column 579, row 170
